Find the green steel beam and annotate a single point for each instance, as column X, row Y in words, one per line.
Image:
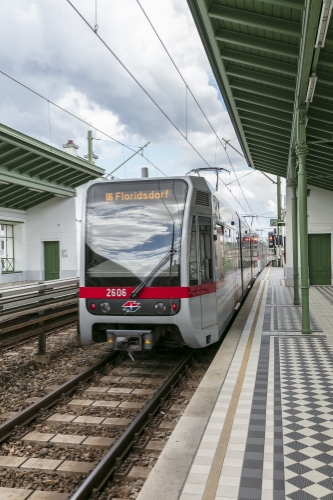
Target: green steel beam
column 261, row 153
column 267, row 167
column 324, row 77
column 265, row 112
column 256, row 143
column 37, row 167
column 290, row 4
column 267, row 145
column 323, row 93
column 321, row 183
column 259, row 62
column 42, row 150
column 318, row 168
column 293, row 185
column 326, row 60
column 13, row 156
column 262, row 101
column 301, row 151
column 260, row 119
column 323, row 147
column 36, row 201
column 4, row 146
column 12, row 195
column 239, row 16
column 266, row 137
column 26, row 164
column 257, row 76
column 260, row 90
column 23, row 196
column 322, row 106
column 80, row 181
column 321, row 155
column 323, row 127
column 250, row 126
column 273, row 162
column 66, row 177
column 271, row 159
column 256, row 42
column 30, row 182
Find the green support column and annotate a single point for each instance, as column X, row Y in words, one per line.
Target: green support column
column 293, row 185
column 301, row 151
column 278, row 199
column 90, row 146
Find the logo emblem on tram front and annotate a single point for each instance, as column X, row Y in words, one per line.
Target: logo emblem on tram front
column 131, row 306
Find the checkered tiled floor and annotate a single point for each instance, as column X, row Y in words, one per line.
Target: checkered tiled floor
column 281, row 443
column 307, row 403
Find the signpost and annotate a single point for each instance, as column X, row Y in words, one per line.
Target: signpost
column 274, row 222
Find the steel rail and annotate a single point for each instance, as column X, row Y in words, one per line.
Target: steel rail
column 105, row 467
column 32, row 411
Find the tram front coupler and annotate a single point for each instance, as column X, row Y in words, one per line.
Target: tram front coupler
column 130, row 340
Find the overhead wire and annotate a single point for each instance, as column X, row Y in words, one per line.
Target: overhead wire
column 196, row 101
column 137, row 81
column 77, row 117
column 235, row 180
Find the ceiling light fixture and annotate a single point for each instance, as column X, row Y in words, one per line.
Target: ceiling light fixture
column 311, row 87
column 36, row 190
column 4, row 182
column 324, row 22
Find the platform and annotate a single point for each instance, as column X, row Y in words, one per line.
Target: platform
column 260, row 425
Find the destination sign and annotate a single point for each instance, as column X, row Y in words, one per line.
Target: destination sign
column 137, row 195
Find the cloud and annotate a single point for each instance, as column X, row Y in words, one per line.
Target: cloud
column 54, row 52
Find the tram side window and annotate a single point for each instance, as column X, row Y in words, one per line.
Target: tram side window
column 193, row 264
column 205, row 246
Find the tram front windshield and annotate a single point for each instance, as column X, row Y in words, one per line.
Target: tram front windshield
column 130, row 228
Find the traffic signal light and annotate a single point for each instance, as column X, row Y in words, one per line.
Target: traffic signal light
column 271, row 240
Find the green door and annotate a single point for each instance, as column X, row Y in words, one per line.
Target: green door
column 320, row 259
column 51, row 260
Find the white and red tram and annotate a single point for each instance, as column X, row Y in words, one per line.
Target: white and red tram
column 163, row 260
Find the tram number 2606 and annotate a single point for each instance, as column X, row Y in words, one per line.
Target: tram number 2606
column 116, row 292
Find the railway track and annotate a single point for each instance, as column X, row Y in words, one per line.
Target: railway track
column 81, row 430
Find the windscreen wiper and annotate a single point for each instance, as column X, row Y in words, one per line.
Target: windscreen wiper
column 165, row 259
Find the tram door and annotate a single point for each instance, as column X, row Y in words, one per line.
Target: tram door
column 207, row 285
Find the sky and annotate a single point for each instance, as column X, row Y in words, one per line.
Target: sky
column 46, row 46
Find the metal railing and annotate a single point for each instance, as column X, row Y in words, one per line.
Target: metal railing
column 35, row 308
column 7, row 265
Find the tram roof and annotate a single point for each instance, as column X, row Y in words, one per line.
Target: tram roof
column 263, row 53
column 32, row 172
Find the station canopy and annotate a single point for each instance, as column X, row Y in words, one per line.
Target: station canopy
column 264, row 58
column 32, row 172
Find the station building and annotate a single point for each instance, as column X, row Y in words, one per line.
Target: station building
column 39, row 208
column 320, row 229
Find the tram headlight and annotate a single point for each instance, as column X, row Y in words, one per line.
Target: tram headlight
column 105, row 307
column 160, row 307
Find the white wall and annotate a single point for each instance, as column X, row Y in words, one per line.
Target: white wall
column 320, row 221
column 53, row 220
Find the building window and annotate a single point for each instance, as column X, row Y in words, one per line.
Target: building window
column 7, row 248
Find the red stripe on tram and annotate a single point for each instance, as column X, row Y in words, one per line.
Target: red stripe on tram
column 160, row 292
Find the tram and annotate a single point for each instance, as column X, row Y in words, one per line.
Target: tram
column 164, row 260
